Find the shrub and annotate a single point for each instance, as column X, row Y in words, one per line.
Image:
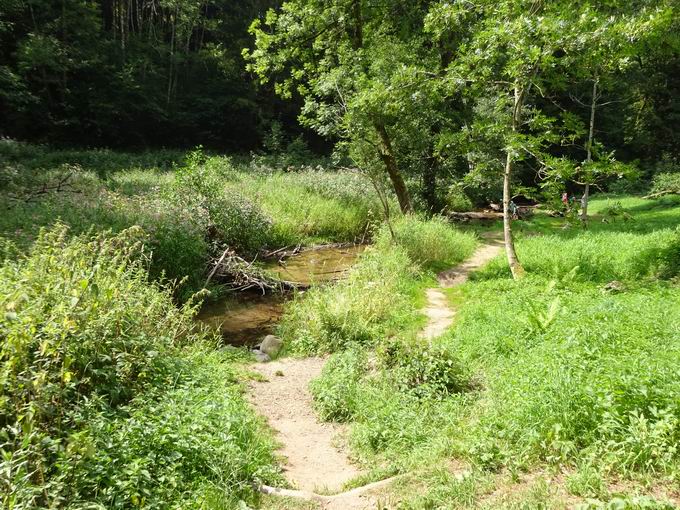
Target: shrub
column 457, row 200
column 432, row 243
column 427, row 371
column 103, row 381
column 231, row 219
column 666, row 182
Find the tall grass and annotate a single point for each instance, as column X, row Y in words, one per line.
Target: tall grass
column 376, row 300
column 431, row 243
column 556, row 370
column 110, row 396
column 192, row 206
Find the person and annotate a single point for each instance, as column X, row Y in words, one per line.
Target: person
column 565, row 200
column 512, row 206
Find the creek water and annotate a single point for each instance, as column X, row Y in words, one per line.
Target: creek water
column 244, row 318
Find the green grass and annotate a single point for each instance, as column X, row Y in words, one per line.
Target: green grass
column 383, row 292
column 191, row 205
column 110, row 396
column 553, row 372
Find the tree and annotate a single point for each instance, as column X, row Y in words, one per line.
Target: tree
column 604, row 44
column 358, row 67
column 513, row 52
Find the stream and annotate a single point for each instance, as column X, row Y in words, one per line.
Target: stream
column 244, row 318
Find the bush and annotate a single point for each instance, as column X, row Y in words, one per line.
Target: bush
column 103, row 379
column 231, row 219
column 433, row 243
column 457, row 200
column 424, row 370
column 666, row 182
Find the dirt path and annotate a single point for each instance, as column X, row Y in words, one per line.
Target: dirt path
column 316, row 458
column 439, row 314
column 315, row 461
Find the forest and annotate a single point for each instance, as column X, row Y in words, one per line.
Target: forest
column 340, row 254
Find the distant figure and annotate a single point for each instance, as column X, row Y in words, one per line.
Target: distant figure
column 565, row 200
column 512, row 206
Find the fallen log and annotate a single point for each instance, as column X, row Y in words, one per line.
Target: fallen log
column 662, row 193
column 466, row 216
column 239, row 275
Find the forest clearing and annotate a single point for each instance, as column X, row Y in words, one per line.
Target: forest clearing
column 339, row 255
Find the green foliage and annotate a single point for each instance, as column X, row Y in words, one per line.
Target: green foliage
column 370, row 304
column 433, row 243
column 457, row 200
column 188, row 214
column 104, row 381
column 666, row 183
column 229, row 218
column 315, row 204
column 137, row 75
column 336, row 392
column 425, row 371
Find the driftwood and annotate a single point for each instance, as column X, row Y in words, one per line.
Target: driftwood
column 239, row 274
column 662, row 193
column 475, row 215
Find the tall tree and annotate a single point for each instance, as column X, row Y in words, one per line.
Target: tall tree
column 511, row 56
column 355, row 64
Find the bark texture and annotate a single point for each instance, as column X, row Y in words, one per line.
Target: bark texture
column 390, row 161
column 515, row 266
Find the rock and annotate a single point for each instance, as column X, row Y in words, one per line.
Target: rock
column 271, row 345
column 614, row 287
column 260, row 356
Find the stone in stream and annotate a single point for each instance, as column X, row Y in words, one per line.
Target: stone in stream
column 271, row 345
column 260, row 356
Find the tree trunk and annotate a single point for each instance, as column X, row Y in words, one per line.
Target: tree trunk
column 390, row 161
column 515, row 266
column 107, row 14
column 589, row 152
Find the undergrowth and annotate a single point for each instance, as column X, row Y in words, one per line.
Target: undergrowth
column 110, row 396
column 191, row 205
column 563, row 370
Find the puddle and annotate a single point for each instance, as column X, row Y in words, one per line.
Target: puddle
column 244, row 318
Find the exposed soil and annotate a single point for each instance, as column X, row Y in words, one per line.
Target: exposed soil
column 316, row 459
column 439, row 314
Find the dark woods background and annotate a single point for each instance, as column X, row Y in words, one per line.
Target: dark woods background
column 151, row 73
column 133, row 73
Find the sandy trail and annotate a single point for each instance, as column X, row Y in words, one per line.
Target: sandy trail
column 315, row 453
column 438, row 312
column 314, row 460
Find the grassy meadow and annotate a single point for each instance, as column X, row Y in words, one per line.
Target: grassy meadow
column 557, row 390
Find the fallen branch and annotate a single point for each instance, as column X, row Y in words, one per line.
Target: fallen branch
column 239, row 274
column 662, row 193
column 475, row 215
column 61, row 186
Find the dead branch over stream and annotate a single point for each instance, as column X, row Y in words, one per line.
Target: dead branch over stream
column 239, row 275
